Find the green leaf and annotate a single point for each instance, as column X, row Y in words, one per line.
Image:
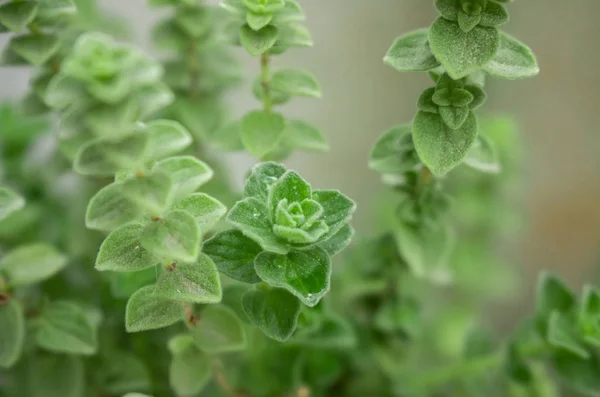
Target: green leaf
column 63, row 91
column 275, row 311
column 151, row 192
column 122, row 371
column 306, row 274
column 514, row 60
column 579, row 374
column 32, row 263
column 13, row 332
column 264, row 6
column 394, row 152
column 454, row 117
column 56, row 375
column 17, row 15
column 123, row 252
column 479, row 96
column 106, row 157
column 292, row 12
column 228, row 137
column 110, row 209
column 234, row 254
column 338, row 241
column 176, row 236
column 65, row 328
column 337, row 209
column 166, row 138
column 411, row 53
column 426, row 251
column 293, row 82
column 468, row 21
column 206, row 209
column 494, row 15
column 563, row 335
column 439, row 147
column 261, row 177
column 449, row 8
column 123, row 285
column 10, row 202
column 146, row 310
column 291, row 187
column 218, row 331
column 197, row 282
column 589, row 316
column 553, row 295
column 303, row 136
column 186, row 172
column 189, row 372
column 333, row 333
column 483, row 156
column 35, row 48
column 258, row 21
column 262, row 131
column 258, row 42
column 291, row 35
column 462, row 53
column 252, row 217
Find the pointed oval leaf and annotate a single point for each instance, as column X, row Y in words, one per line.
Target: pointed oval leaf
column 12, row 335
column 123, row 252
column 189, row 372
column 206, row 209
column 440, row 147
column 32, row 264
column 146, row 310
column 258, row 42
column 218, row 330
column 10, row 202
column 197, row 282
column 336, row 243
column 176, row 236
column 17, row 15
column 186, row 172
column 411, row 53
column 106, row 157
column 337, row 209
column 64, row 328
column 294, row 82
column 166, row 138
column 110, row 209
column 261, row 178
column 514, row 60
column 262, row 131
column 234, row 254
column 275, row 311
column 306, row 274
column 303, row 136
column 258, row 21
column 291, row 187
column 483, row 156
column 394, row 152
column 462, row 53
column 35, row 48
column 152, row 192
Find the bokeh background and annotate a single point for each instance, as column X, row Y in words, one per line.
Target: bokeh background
column 557, row 112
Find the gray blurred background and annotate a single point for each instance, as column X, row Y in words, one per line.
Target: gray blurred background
column 557, row 111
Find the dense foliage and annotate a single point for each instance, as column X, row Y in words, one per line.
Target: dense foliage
column 129, row 264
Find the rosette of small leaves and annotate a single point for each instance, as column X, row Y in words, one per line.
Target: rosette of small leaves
column 286, row 234
column 267, row 28
column 40, row 30
column 199, row 67
column 462, row 44
column 102, row 91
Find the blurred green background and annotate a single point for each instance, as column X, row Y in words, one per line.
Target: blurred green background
column 556, row 112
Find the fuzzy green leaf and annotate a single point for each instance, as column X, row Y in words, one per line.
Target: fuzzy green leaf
column 291, row 187
column 258, row 21
column 306, row 274
column 579, row 374
column 234, row 254
column 293, row 82
column 332, row 333
column 121, row 371
column 106, row 157
column 13, row 333
column 467, row 21
column 411, row 53
column 56, row 375
column 563, row 335
column 262, row 131
column 166, row 138
column 252, row 217
column 303, row 136
column 258, row 42
column 494, row 15
column 197, row 282
column 189, row 372
column 10, row 202
column 218, row 331
column 479, row 96
column 462, row 53
column 63, row 91
column 109, row 209
column 35, row 48
column 32, row 263
column 17, row 15
column 123, row 252
column 186, row 172
column 394, row 152
column 337, row 209
column 514, row 60
column 275, row 311
column 65, row 328
column 175, row 236
column 440, row 147
column 553, row 295
column 292, row 12
column 151, row 192
column 483, row 156
column 454, row 117
column 449, row 8
column 228, row 138
column 264, row 6
column 206, row 209
column 146, row 310
column 262, row 177
column 338, row 241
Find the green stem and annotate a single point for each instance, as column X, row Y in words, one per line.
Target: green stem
column 425, row 178
column 266, row 81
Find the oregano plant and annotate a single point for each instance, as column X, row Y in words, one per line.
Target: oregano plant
column 131, row 266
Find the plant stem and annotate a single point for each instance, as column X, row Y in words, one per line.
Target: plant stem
column 266, row 81
column 223, row 383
